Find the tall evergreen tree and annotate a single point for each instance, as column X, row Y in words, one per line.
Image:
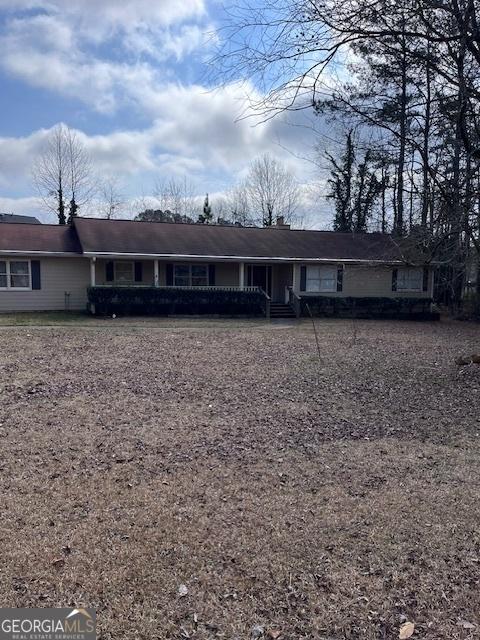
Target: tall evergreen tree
column 206, row 216
column 354, row 188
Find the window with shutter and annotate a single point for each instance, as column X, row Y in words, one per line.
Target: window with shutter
column 15, row 274
column 190, row 275
column 124, row 272
column 321, row 279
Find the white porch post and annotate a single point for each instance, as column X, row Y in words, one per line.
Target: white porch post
column 92, row 280
column 296, row 278
column 156, row 277
column 92, row 271
column 241, row 275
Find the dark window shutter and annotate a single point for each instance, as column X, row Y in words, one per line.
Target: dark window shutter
column 109, row 275
column 211, row 275
column 303, row 278
column 340, row 279
column 169, row 275
column 394, row 279
column 138, row 272
column 425, row 278
column 36, row 279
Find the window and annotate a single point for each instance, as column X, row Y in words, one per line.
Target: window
column 15, row 274
column 124, row 272
column 182, row 275
column 321, row 279
column 410, row 279
column 199, row 275
column 19, row 275
column 190, row 275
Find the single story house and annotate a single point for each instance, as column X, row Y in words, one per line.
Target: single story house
column 123, row 265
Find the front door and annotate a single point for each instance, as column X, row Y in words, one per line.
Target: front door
column 260, row 275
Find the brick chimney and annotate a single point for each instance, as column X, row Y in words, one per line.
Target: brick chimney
column 281, row 223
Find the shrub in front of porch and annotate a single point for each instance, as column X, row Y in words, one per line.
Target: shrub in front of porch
column 172, row 301
column 391, row 308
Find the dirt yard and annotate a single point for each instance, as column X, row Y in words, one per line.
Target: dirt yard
column 222, row 482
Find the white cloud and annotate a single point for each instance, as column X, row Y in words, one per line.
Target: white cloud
column 102, row 85
column 192, row 130
column 29, row 206
column 101, row 53
column 126, row 153
column 16, row 155
column 164, row 43
column 114, row 14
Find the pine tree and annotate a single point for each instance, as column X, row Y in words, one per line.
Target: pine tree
column 355, row 189
column 206, row 217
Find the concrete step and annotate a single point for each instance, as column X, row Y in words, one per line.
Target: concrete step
column 281, row 310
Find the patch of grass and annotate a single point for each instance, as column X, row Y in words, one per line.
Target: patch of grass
column 43, row 318
column 61, row 318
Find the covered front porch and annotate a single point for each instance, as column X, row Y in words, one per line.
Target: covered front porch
column 230, row 287
column 274, row 279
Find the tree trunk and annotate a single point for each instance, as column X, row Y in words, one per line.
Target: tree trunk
column 384, row 206
column 426, row 146
column 399, row 221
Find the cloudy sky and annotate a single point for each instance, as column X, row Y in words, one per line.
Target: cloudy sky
column 132, row 77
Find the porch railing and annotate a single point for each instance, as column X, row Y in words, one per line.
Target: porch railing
column 137, row 285
column 294, row 301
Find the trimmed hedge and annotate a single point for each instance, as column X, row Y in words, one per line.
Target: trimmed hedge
column 172, row 301
column 391, row 308
column 470, row 307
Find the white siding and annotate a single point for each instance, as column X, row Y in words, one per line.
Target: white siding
column 58, row 276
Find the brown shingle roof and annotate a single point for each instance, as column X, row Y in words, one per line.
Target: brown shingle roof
column 43, row 238
column 163, row 239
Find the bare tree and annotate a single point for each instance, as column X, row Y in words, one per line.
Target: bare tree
column 220, row 210
column 177, row 196
column 112, row 198
column 50, row 173
column 409, row 72
column 82, row 184
column 238, row 204
column 63, row 173
column 272, row 191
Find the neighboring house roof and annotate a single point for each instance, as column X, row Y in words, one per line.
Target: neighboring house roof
column 127, row 237
column 15, row 219
column 38, row 238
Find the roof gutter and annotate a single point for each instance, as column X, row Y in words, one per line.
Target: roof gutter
column 177, row 256
column 65, row 254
